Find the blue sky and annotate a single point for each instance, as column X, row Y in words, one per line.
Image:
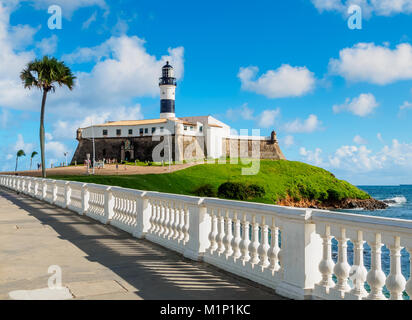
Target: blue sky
column 337, row 98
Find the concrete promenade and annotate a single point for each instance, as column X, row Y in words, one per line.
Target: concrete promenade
column 99, row 261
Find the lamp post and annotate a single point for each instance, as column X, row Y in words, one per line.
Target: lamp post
column 94, row 147
column 65, row 155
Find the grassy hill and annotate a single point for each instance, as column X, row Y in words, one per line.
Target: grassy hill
column 281, row 180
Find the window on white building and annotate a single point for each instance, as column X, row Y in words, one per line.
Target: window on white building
column 118, row 132
column 105, row 132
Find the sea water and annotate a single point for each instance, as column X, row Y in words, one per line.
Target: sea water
column 399, row 199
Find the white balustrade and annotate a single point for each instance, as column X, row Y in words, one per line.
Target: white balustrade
column 95, row 202
column 125, row 208
column 75, row 203
column 286, row 249
column 356, row 282
column 60, row 197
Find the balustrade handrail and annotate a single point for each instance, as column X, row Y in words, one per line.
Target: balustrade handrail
column 363, row 221
column 285, row 248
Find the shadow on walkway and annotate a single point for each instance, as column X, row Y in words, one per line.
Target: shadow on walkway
column 156, row 272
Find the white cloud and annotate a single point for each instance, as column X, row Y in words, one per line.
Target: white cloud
column 268, row 118
column 360, row 106
column 288, row 141
column 369, row 7
column 69, row 6
column 48, row 46
column 360, row 159
column 124, row 70
column 359, row 140
column 244, row 112
column 9, row 156
column 4, row 118
column 21, row 145
column 65, row 129
column 22, row 35
column 12, row 93
column 89, row 21
column 311, row 124
column 379, row 136
column 375, row 64
column 55, row 149
column 286, row 81
column 313, row 157
column 405, row 106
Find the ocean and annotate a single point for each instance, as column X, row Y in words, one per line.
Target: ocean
column 401, row 196
column 400, row 206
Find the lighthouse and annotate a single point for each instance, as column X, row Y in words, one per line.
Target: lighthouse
column 167, row 84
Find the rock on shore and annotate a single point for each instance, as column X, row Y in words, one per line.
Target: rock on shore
column 366, row 204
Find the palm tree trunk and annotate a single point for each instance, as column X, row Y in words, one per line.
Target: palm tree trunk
column 17, row 159
column 43, row 162
column 31, row 160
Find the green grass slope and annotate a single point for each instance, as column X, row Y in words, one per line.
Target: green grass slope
column 281, row 179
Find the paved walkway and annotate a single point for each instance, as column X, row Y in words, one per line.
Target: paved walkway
column 98, row 261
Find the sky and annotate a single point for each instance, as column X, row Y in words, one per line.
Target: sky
column 339, row 98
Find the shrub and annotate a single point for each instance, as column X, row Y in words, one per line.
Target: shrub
column 240, row 191
column 206, row 190
column 334, row 195
column 255, row 191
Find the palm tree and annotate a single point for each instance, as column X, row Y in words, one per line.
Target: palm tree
column 45, row 74
column 19, row 154
column 33, row 154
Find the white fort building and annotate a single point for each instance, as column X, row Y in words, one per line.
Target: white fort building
column 187, row 138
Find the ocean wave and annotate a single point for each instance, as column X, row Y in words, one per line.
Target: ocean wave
column 395, row 201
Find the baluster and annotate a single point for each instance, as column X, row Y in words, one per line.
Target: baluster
column 177, row 221
column 342, row 267
column 237, row 239
column 326, row 265
column 408, row 287
column 376, row 277
column 274, row 247
column 254, row 245
column 244, row 244
column 395, row 281
column 166, row 223
column 172, row 220
column 228, row 236
column 221, row 233
column 152, row 215
column 360, row 274
column 213, row 232
column 127, row 210
column 264, row 246
column 182, row 222
column 157, row 216
column 186, row 225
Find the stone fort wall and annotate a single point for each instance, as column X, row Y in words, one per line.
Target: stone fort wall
column 182, row 148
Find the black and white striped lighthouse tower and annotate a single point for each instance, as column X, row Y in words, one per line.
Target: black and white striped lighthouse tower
column 167, row 84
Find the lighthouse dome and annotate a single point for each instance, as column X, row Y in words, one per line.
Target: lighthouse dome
column 167, row 71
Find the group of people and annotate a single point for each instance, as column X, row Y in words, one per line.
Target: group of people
column 100, row 163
